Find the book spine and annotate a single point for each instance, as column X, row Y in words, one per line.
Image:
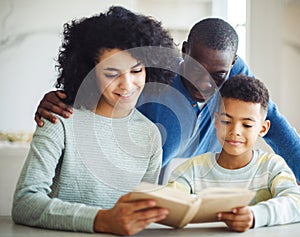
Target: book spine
column 194, row 207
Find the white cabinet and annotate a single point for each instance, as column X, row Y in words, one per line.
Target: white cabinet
column 12, row 157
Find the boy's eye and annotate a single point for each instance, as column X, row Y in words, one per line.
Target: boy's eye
column 248, row 125
column 225, row 122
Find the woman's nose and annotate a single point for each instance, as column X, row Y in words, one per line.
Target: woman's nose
column 125, row 82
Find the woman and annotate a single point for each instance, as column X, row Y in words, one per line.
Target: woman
column 79, row 170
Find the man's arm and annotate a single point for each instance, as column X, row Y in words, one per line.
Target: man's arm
column 52, row 102
column 240, row 67
column 283, row 139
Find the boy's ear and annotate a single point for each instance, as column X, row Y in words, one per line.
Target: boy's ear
column 264, row 128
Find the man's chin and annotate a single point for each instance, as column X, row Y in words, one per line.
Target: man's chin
column 202, row 98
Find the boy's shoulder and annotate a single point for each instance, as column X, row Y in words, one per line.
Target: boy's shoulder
column 267, row 156
column 269, row 159
column 205, row 159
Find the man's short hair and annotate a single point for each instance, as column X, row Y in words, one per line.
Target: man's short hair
column 214, row 33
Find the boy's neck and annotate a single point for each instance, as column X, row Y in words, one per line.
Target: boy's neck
column 233, row 162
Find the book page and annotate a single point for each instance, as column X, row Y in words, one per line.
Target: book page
column 182, row 206
column 215, row 200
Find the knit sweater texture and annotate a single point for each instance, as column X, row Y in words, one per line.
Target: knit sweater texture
column 83, row 164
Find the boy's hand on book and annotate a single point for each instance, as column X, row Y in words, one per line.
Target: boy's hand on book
column 128, row 217
column 240, row 219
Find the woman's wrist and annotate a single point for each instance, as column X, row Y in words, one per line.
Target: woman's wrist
column 100, row 223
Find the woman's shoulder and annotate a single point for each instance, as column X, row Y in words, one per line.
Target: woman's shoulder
column 142, row 123
column 61, row 124
column 139, row 117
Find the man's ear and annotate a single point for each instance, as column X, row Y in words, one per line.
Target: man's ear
column 184, row 48
column 234, row 60
column 264, row 128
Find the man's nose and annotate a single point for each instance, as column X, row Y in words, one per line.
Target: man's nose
column 204, row 82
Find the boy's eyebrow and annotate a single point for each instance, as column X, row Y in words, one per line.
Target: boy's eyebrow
column 115, row 69
column 227, row 115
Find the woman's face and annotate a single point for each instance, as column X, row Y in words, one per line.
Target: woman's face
column 121, row 79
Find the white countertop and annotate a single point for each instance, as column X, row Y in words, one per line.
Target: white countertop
column 9, row 229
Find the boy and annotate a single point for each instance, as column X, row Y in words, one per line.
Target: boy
column 240, row 120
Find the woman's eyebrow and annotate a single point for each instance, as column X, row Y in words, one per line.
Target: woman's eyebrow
column 115, row 69
column 110, row 69
column 137, row 64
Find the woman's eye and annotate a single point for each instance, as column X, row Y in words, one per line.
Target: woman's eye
column 138, row 70
column 111, row 75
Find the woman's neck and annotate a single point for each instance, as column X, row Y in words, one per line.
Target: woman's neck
column 111, row 112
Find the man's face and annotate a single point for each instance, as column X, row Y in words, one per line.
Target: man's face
column 205, row 70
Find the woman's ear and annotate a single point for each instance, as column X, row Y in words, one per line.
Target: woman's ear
column 264, row 128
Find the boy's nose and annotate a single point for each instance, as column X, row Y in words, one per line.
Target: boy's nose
column 235, row 130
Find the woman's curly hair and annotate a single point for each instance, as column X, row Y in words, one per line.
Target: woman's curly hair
column 85, row 39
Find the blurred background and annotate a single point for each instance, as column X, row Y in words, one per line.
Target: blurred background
column 30, row 35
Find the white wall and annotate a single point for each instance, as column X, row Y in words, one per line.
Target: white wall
column 290, row 77
column 274, row 51
column 29, row 40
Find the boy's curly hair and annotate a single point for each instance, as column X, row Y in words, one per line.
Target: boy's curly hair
column 85, row 39
column 245, row 88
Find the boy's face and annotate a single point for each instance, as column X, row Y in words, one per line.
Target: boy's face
column 205, row 70
column 238, row 124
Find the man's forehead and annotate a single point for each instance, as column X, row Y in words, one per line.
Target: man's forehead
column 211, row 57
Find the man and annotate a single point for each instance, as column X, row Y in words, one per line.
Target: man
column 183, row 111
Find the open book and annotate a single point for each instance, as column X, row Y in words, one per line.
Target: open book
column 185, row 208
